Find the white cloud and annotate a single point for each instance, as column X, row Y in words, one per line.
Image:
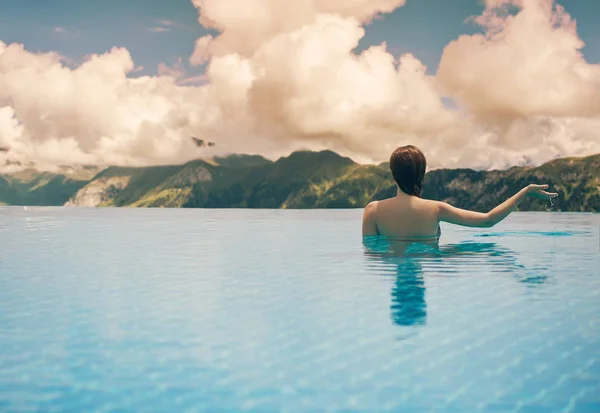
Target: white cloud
column 166, row 25
column 202, row 51
column 246, row 24
column 529, row 65
column 159, row 29
column 176, row 70
column 166, row 22
column 525, row 81
column 284, row 76
column 94, row 113
column 198, row 80
column 296, row 81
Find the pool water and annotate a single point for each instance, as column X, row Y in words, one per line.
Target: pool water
column 154, row 310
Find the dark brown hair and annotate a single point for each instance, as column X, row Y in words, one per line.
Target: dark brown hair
column 408, row 165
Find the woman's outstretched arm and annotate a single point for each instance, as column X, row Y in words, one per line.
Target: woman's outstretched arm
column 453, row 215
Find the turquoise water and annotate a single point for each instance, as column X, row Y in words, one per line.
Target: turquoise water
column 123, row 310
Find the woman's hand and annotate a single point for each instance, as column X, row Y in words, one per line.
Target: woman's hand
column 537, row 191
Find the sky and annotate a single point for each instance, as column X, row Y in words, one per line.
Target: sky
column 481, row 84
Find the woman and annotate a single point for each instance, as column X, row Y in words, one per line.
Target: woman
column 408, row 217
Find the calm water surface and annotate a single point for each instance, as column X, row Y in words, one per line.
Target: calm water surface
column 127, row 310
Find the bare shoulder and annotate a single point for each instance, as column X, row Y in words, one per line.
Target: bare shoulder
column 431, row 205
column 369, row 220
column 371, row 208
column 372, row 205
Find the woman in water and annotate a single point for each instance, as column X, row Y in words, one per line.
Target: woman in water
column 408, row 217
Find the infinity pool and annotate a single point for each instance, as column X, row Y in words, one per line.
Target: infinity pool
column 129, row 310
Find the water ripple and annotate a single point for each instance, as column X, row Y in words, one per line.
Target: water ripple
column 270, row 311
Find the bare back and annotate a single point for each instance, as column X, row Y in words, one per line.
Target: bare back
column 406, row 217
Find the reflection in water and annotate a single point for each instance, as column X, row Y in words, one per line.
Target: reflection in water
column 408, row 294
column 533, row 233
column 408, row 260
column 401, row 258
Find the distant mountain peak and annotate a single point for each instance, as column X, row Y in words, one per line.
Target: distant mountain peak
column 323, row 155
column 241, row 160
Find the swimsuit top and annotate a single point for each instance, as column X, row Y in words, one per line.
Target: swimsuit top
column 414, row 239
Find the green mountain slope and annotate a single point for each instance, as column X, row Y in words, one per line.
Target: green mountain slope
column 30, row 187
column 576, row 180
column 296, row 181
column 302, row 180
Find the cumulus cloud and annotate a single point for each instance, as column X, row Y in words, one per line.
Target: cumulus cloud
column 176, row 70
column 296, row 79
column 93, row 114
column 246, row 24
column 281, row 77
column 528, row 64
column 525, row 81
column 307, row 86
column 202, row 50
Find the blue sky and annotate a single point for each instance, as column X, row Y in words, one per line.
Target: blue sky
column 423, row 27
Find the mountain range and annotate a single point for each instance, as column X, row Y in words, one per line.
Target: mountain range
column 303, row 179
